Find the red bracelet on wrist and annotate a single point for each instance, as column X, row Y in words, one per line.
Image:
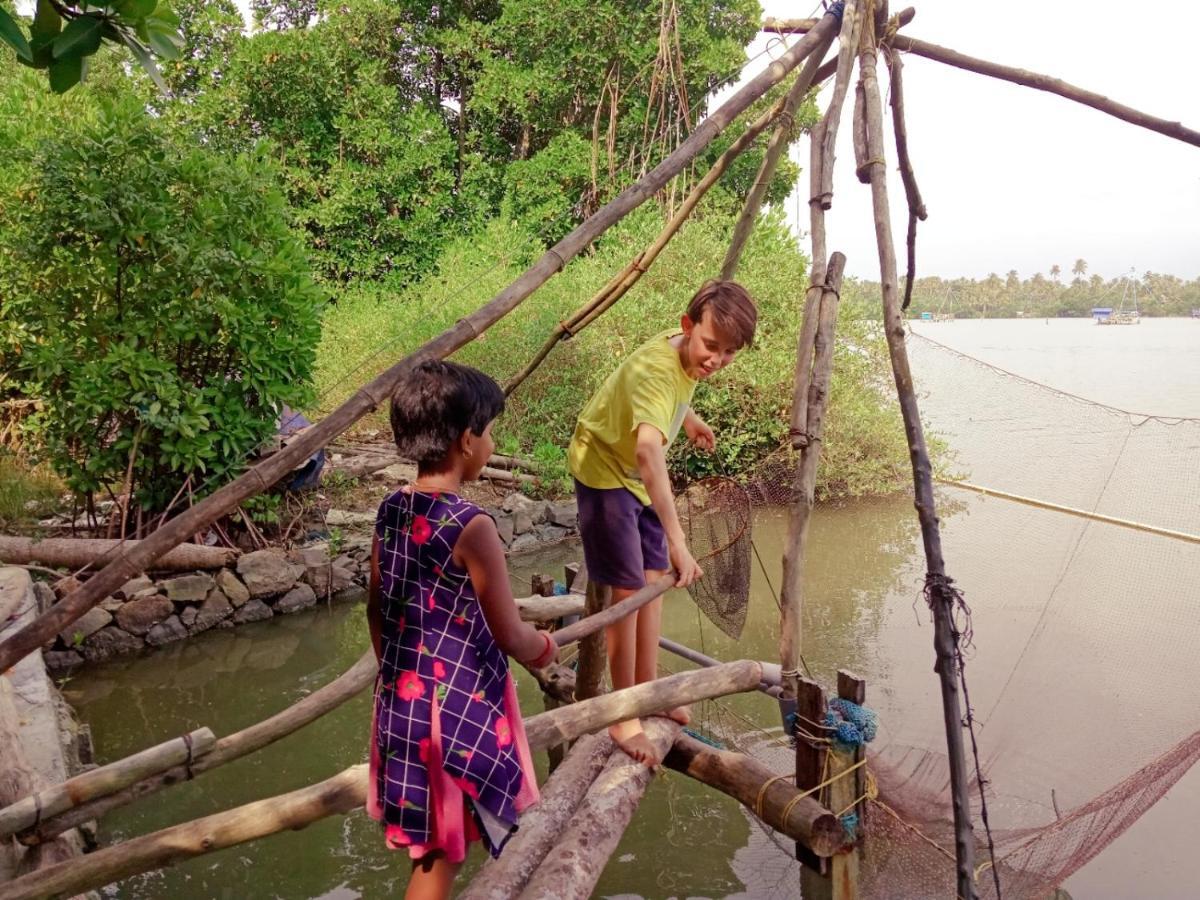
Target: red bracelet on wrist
column 546, row 655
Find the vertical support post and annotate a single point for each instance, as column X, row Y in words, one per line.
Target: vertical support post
column 810, row 763
column 941, row 597
column 593, row 653
column 845, row 794
column 543, row 586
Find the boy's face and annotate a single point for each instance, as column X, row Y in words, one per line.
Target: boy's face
column 706, row 348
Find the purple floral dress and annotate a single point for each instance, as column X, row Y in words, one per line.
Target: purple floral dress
column 441, row 676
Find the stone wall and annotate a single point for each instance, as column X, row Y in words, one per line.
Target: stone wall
column 40, row 742
column 147, row 612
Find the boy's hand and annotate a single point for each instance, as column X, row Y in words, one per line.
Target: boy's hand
column 687, row 570
column 699, row 433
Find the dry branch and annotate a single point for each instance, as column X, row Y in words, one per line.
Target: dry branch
column 940, row 599
column 28, row 812
column 743, row 777
column 266, row 473
column 912, row 193
column 547, row 609
column 78, row 553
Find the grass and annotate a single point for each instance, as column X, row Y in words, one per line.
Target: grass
column 27, row 493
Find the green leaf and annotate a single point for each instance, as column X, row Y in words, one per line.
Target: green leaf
column 81, row 37
column 12, row 35
column 163, row 44
column 134, row 9
column 46, row 21
column 142, row 55
column 164, row 13
column 65, row 73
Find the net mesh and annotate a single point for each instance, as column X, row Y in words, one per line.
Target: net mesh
column 1081, row 673
column 715, row 516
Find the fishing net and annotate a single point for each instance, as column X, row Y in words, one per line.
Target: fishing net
column 715, row 515
column 1082, row 669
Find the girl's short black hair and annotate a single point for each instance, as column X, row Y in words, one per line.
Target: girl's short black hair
column 434, row 403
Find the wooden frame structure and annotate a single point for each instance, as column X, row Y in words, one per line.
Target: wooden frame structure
column 863, row 29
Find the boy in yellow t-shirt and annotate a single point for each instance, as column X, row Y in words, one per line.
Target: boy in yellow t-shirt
column 631, row 532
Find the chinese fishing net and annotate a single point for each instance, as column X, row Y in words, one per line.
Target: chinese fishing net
column 715, row 515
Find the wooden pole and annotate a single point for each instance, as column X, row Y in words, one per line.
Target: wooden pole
column 845, row 795
column 847, row 45
column 77, row 553
column 593, row 649
column 234, row 746
column 912, row 193
column 548, row 609
column 570, row 871
column 754, row 786
column 543, row 825
column 941, row 599
column 791, row 596
column 770, row 677
column 543, row 587
column 264, row 474
column 596, row 622
column 73, row 792
column 780, row 138
column 339, row 794
column 571, row 721
column 811, row 746
column 1023, row 77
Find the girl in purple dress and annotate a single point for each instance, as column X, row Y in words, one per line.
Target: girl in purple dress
column 449, row 760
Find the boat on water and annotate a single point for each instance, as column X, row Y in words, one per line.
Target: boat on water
column 1126, row 313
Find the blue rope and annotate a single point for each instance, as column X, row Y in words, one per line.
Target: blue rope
column 836, row 9
column 852, row 724
column 850, row 825
column 712, row 742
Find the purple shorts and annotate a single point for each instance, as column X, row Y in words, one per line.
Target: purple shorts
column 622, row 538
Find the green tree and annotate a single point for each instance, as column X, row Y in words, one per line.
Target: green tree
column 282, row 14
column 1079, row 269
column 156, row 300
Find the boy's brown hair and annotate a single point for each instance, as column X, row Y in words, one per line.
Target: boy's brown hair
column 732, row 309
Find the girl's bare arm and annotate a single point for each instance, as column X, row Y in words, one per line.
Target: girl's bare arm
column 374, row 604
column 480, row 551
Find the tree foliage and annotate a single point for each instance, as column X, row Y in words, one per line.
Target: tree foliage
column 155, row 301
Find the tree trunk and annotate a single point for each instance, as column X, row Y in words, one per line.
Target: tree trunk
column 76, row 553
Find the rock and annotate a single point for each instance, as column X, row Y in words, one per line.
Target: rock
column 315, row 557
column 109, row 642
column 398, row 473
column 504, row 524
column 189, row 588
column 45, row 596
column 85, row 626
column 526, row 541
column 62, row 660
column 550, row 533
column 522, row 521
column 352, row 594
column 298, row 598
column 111, row 604
column 346, row 561
column 267, row 572
column 188, row 616
column 66, row 585
column 252, row 611
column 139, row 616
column 516, row 500
column 151, row 591
column 216, row 608
column 231, row 586
column 166, row 632
column 565, row 515
column 317, row 570
column 132, row 586
column 344, row 518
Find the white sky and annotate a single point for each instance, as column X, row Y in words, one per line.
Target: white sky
column 1017, row 178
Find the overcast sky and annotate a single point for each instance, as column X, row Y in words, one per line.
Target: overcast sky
column 1019, row 179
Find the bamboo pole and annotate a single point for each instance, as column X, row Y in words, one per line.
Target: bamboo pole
column 29, row 811
column 847, row 45
column 78, row 553
column 780, row 138
column 770, row 671
column 595, row 622
column 1023, row 77
column 623, row 281
column 791, row 595
column 264, row 474
column 547, row 609
column 543, row 825
column 912, row 193
column 569, row 722
column 339, row 794
column 570, row 871
column 758, row 789
column 940, row 597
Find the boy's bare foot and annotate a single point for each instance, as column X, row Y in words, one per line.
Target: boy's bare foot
column 630, row 737
column 680, row 714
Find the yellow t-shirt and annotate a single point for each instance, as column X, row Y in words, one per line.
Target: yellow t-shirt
column 649, row 387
